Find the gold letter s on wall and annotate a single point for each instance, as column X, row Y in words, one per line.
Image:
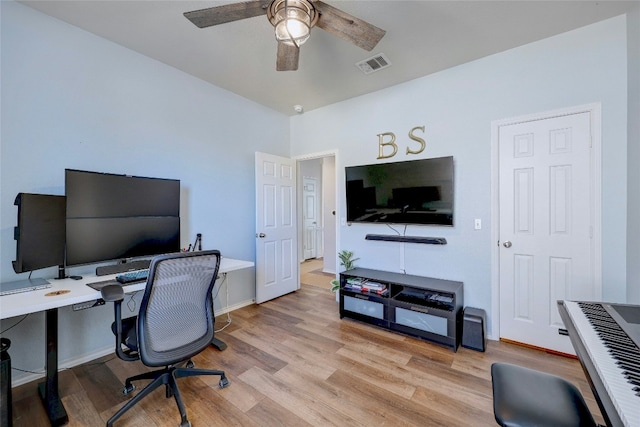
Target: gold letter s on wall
column 417, row 139
column 382, row 144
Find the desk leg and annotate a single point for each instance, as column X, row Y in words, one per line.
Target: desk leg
column 49, row 389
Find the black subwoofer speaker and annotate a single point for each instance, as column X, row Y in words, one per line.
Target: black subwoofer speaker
column 474, row 329
column 6, row 412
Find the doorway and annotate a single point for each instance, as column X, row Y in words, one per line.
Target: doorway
column 546, row 204
column 317, row 192
column 311, row 214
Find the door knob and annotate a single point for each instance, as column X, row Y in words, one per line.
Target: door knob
column 261, row 235
column 507, row 244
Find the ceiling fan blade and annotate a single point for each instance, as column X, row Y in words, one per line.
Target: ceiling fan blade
column 287, row 57
column 227, row 13
column 347, row 26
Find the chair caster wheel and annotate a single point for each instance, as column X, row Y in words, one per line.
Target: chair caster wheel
column 223, row 382
column 128, row 389
column 190, row 364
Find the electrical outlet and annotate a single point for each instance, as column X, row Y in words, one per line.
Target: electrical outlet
column 478, row 224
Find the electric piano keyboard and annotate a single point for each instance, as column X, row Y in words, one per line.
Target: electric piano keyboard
column 610, row 358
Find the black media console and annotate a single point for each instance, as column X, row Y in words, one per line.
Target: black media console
column 422, row 307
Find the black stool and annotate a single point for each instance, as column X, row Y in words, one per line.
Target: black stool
column 525, row 398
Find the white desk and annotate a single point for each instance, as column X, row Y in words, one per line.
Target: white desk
column 35, row 301
column 63, row 293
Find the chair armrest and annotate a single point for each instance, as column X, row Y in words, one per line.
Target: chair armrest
column 115, row 294
column 112, row 293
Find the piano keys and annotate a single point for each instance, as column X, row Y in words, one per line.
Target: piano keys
column 606, row 338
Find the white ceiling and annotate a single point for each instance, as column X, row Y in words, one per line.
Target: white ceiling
column 422, row 37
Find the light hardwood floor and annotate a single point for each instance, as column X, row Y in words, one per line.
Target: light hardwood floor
column 293, row 362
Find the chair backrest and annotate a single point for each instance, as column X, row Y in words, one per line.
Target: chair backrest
column 176, row 316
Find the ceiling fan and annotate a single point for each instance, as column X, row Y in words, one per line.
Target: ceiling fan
column 293, row 20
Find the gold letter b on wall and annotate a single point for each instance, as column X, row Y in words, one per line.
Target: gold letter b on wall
column 382, row 144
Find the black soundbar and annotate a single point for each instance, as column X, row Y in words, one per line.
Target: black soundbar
column 407, row 239
column 121, row 268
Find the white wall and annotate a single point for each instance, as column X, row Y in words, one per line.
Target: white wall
column 457, row 107
column 329, row 214
column 633, row 157
column 73, row 100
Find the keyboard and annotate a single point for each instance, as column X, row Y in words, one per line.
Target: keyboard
column 27, row 285
column 610, row 358
column 132, row 276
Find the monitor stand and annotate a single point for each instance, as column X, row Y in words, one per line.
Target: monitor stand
column 62, row 274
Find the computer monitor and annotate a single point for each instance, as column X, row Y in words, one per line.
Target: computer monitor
column 40, row 231
column 117, row 217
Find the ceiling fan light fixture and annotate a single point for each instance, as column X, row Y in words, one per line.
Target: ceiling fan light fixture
column 292, row 20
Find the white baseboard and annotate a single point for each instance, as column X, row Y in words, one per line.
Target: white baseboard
column 64, row 364
column 234, row 307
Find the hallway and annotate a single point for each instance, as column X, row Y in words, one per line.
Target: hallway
column 311, row 274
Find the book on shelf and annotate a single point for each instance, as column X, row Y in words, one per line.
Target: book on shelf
column 360, row 284
column 381, row 292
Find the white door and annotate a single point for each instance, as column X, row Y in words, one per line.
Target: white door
column 310, row 215
column 546, row 224
column 276, row 231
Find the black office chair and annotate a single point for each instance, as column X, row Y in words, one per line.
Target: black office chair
column 175, row 322
column 524, row 397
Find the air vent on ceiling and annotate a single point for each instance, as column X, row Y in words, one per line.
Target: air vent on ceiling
column 373, row 64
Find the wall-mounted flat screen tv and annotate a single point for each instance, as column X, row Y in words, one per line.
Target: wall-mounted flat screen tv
column 409, row 192
column 117, row 217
